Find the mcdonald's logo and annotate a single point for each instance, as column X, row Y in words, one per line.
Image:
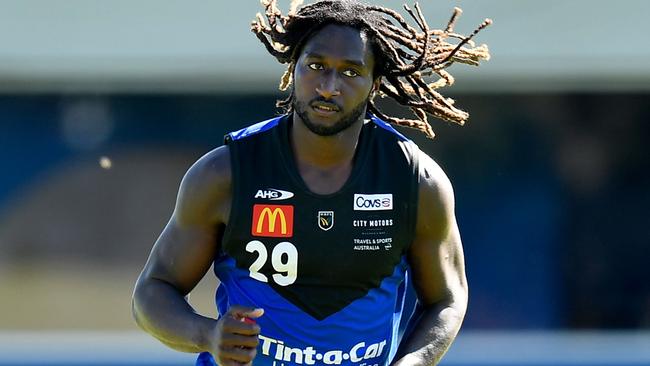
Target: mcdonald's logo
column 275, row 221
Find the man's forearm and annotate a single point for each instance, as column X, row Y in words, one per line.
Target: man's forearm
column 162, row 311
column 434, row 332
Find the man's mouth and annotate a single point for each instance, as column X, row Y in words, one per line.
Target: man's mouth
column 325, row 108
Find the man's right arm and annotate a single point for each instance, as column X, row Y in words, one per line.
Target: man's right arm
column 180, row 258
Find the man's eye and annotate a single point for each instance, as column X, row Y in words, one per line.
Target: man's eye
column 315, row 66
column 350, row 73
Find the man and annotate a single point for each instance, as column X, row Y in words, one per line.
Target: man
column 316, row 219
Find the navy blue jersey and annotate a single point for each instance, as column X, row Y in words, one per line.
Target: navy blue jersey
column 329, row 270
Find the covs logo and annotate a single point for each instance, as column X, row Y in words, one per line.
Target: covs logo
column 273, row 194
column 373, row 202
column 274, row 221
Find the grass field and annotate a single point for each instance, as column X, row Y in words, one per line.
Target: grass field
column 74, row 315
column 77, row 297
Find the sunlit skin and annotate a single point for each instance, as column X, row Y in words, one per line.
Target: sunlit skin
column 333, row 80
column 334, row 71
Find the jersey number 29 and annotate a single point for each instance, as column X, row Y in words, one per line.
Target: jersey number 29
column 284, row 259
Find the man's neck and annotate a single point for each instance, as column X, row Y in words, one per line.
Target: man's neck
column 324, row 151
column 324, row 162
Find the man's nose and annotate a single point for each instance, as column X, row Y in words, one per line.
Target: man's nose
column 328, row 87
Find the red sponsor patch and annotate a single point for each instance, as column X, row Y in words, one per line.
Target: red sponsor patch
column 274, row 221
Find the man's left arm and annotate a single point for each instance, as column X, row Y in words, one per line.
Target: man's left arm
column 437, row 269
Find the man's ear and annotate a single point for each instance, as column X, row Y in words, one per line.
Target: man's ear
column 375, row 86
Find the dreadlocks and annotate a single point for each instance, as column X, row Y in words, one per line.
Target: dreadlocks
column 404, row 55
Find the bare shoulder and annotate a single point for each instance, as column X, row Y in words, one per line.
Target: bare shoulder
column 435, row 186
column 205, row 192
column 436, row 197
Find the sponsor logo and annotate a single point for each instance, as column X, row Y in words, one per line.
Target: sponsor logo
column 373, row 202
column 372, row 223
column 373, row 244
column 274, row 221
column 273, row 194
column 325, row 220
column 366, row 247
column 282, row 352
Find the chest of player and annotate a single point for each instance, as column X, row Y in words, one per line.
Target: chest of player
column 320, row 252
column 287, row 237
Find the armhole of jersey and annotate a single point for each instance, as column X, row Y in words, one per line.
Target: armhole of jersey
column 234, row 191
column 414, row 191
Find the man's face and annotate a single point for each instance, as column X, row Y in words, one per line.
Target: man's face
column 333, row 79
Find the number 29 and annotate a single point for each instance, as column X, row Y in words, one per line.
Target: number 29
column 284, row 259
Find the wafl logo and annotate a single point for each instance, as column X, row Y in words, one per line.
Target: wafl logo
column 325, row 220
column 373, row 202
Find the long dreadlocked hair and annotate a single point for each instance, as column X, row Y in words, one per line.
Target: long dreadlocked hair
column 405, row 56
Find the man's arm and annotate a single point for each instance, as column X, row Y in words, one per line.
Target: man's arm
column 180, row 258
column 438, row 270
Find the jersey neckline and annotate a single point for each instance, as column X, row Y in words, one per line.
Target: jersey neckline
column 358, row 161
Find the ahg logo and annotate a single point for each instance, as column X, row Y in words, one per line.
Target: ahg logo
column 373, row 202
column 273, row 194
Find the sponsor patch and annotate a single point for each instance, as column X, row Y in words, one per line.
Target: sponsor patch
column 274, row 221
column 362, row 353
column 372, row 223
column 273, row 194
column 366, row 243
column 325, row 220
column 373, row 202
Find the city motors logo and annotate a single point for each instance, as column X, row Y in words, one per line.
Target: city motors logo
column 274, row 221
column 273, row 194
column 373, row 202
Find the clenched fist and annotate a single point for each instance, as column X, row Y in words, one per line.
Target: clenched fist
column 235, row 337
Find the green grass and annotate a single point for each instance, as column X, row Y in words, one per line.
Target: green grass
column 75, row 296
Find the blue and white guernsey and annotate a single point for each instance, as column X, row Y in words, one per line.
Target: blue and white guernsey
column 328, row 270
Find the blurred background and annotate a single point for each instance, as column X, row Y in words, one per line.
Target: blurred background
column 105, row 104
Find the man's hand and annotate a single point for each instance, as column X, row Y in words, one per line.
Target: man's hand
column 235, row 338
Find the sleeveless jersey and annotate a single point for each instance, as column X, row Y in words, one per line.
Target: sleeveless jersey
column 328, row 270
